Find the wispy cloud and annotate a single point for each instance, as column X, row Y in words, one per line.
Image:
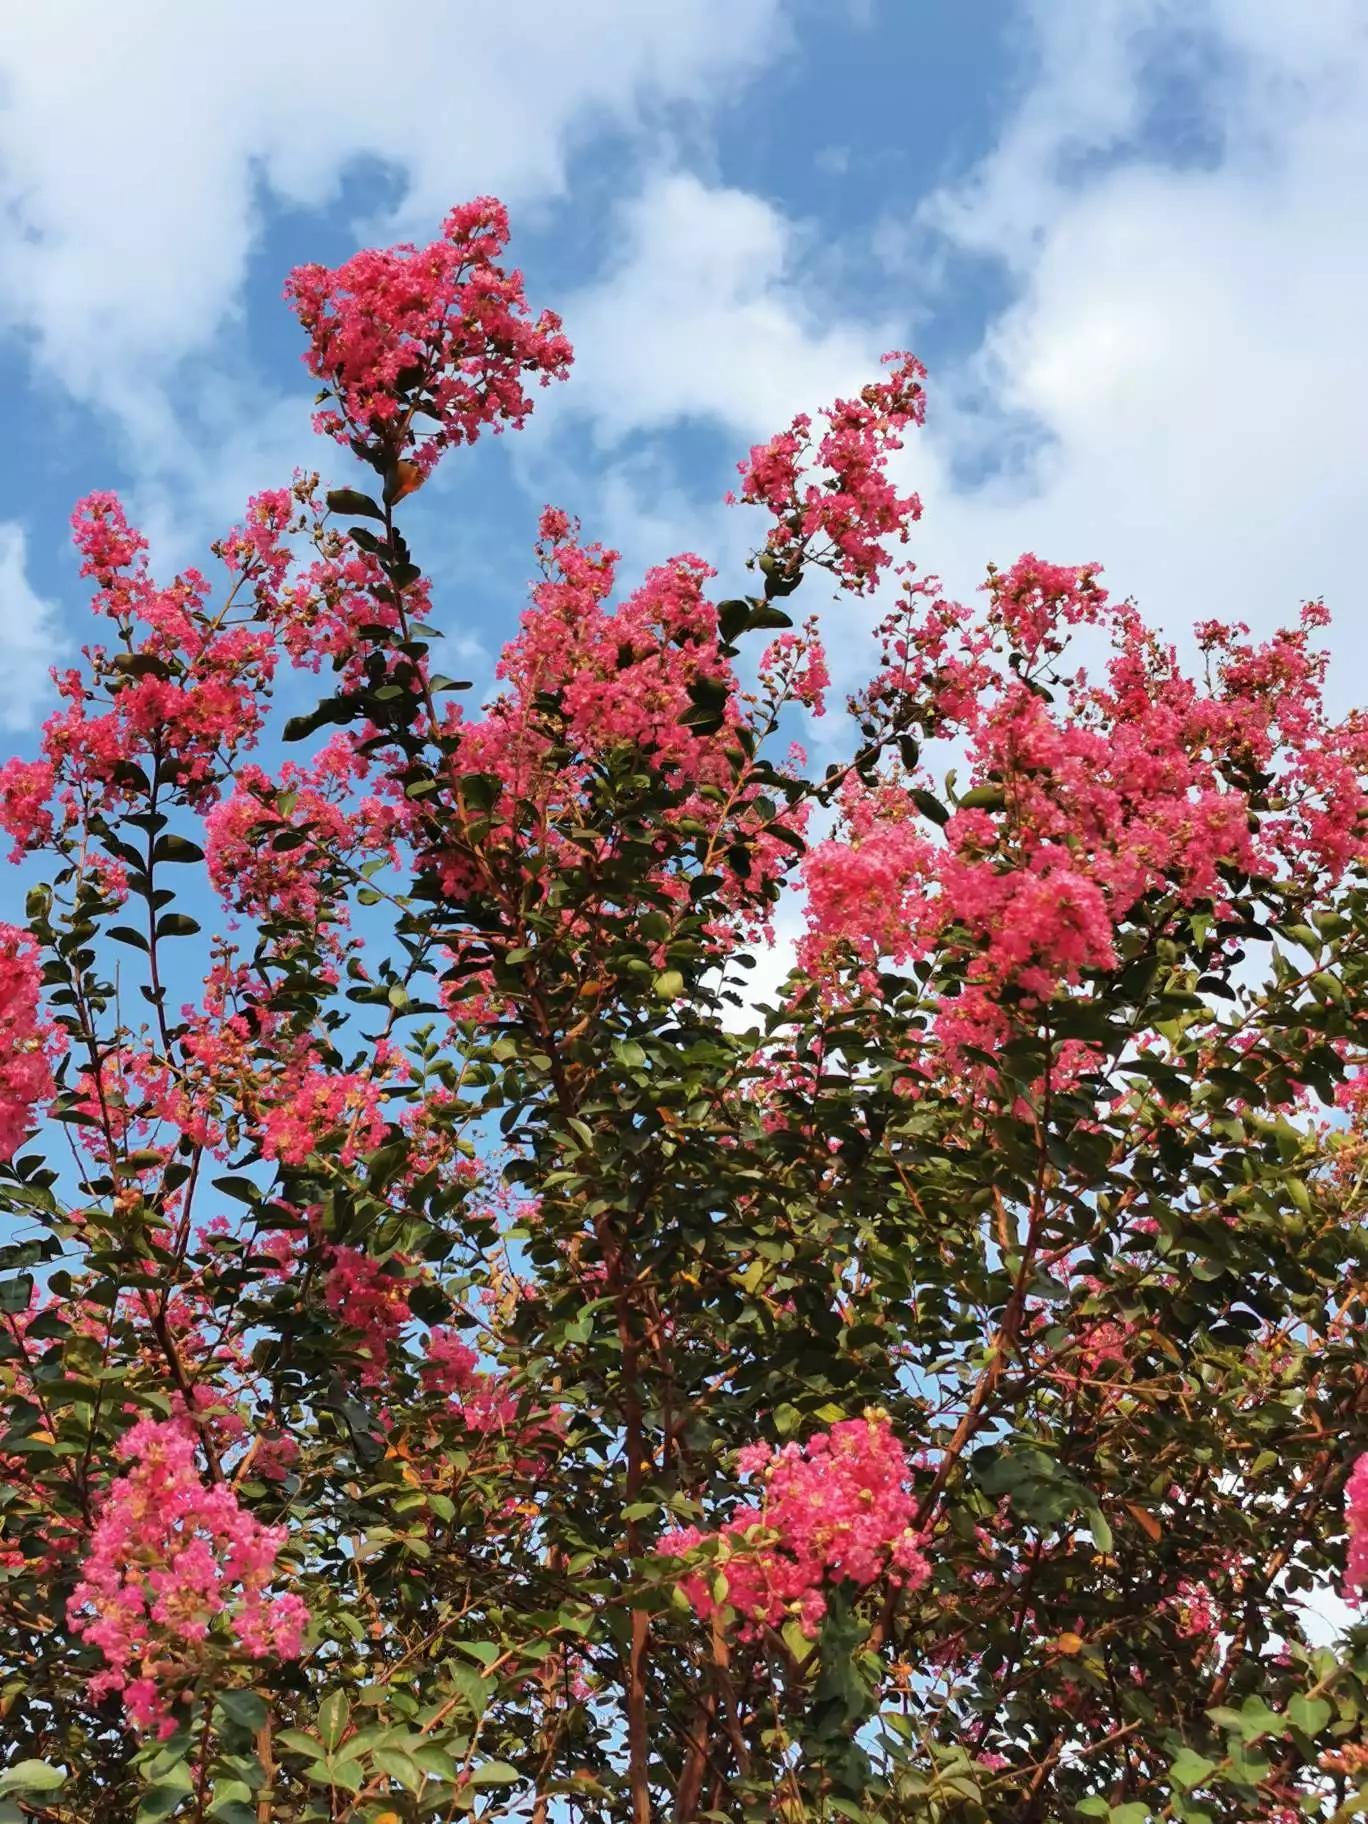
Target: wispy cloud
column 29, row 634
column 132, row 174
column 1179, row 385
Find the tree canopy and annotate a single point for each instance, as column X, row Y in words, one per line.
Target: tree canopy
column 475, row 1358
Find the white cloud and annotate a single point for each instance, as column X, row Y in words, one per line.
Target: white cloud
column 129, row 174
column 1177, row 387
column 712, row 313
column 1185, row 349
column 1178, row 384
column 135, row 178
column 711, row 310
column 29, row 639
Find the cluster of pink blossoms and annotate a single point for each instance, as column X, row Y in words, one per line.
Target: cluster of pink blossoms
column 584, row 678
column 623, row 677
column 365, row 1295
column 840, row 515
column 180, row 697
column 1356, row 1519
column 26, row 1040
column 451, row 1362
column 1084, row 804
column 836, row 1509
column 310, row 1104
column 274, row 848
column 171, row 1560
column 482, row 1401
column 442, row 331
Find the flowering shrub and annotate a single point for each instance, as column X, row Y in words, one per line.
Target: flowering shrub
column 835, row 1510
column 168, row 1557
column 461, row 1357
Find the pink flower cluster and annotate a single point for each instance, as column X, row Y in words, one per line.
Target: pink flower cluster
column 26, row 788
column 1194, row 1610
column 836, row 1509
column 364, row 1294
column 623, row 678
column 451, row 1362
column 26, row 1040
column 1356, row 1520
column 176, row 1572
column 441, row 332
column 1086, row 801
column 283, row 848
column 307, row 1105
column 482, row 1401
column 841, row 515
column 181, row 696
column 582, row 680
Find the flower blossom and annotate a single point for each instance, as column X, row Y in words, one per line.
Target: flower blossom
column 26, row 1040
column 175, row 1570
column 1356, row 1519
column 836, row 1509
column 442, row 332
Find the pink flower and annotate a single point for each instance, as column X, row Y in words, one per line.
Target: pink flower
column 837, row 1509
column 369, row 1299
column 176, row 1573
column 27, row 1042
column 26, row 788
column 1088, row 802
column 841, row 517
column 1356, row 1519
column 451, row 1363
column 442, row 331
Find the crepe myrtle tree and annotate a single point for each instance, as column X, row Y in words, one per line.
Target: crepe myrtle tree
column 465, row 1364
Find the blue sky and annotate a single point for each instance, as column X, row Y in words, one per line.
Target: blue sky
column 1127, row 236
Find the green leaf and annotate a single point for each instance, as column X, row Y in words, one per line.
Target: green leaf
column 1309, row 1714
column 763, row 617
column 244, row 1708
column 930, row 806
column 176, row 848
column 242, row 1190
column 350, row 1775
column 230, row 1799
column 983, row 798
column 399, row 1766
column 351, row 501
column 495, row 1773
column 485, row 1651
column 176, row 924
column 163, row 1799
column 668, row 985
column 16, row 1295
column 1256, row 1719
column 1191, row 1769
column 334, row 1713
column 125, row 934
column 31, row 1776
column 298, row 1741
column 1100, row 1530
